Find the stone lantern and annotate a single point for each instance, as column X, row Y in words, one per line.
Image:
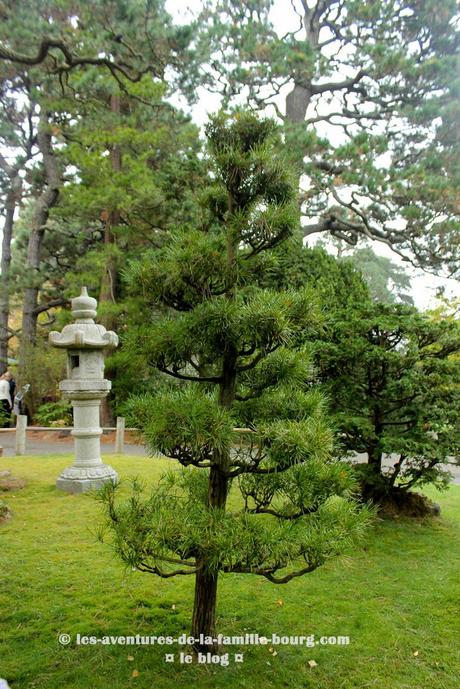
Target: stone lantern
column 85, row 387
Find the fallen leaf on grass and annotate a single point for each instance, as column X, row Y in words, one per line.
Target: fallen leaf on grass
column 279, row 602
column 415, row 653
column 312, row 663
column 135, row 673
column 130, row 658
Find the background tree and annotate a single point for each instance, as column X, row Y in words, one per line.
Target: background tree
column 228, row 340
column 60, row 69
column 16, row 141
column 131, row 209
column 368, row 93
column 388, row 282
column 337, row 284
column 393, row 378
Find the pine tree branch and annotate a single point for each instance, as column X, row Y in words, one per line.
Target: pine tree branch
column 292, row 575
column 251, row 364
column 248, row 469
column 166, row 575
column 268, row 572
column 418, row 474
column 51, row 305
column 397, row 469
column 326, row 166
column 183, row 376
column 71, row 60
column 339, row 85
column 193, row 568
column 280, row 515
column 9, row 170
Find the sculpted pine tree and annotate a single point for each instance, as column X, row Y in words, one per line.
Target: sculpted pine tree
column 229, row 343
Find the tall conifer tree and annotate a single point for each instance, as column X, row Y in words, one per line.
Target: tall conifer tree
column 230, row 343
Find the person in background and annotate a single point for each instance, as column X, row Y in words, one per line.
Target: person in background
column 5, row 401
column 12, row 384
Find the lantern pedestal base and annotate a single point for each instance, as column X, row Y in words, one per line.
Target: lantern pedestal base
column 79, row 480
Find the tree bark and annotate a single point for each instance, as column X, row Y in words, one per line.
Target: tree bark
column 108, row 291
column 10, row 207
column 204, row 610
column 109, row 276
column 297, row 102
column 44, row 203
column 206, row 579
column 13, row 195
column 374, row 458
column 374, row 453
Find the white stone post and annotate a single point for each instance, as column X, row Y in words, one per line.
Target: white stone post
column 120, row 436
column 21, row 426
column 85, row 387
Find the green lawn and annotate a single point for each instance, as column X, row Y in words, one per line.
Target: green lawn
column 397, row 600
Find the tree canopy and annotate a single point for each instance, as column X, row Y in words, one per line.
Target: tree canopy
column 393, row 378
column 368, row 94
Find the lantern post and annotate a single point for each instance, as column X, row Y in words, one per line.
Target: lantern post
column 85, row 387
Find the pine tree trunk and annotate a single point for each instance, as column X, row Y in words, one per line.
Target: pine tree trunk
column 373, row 486
column 298, row 100
column 112, row 218
column 204, row 607
column 107, row 292
column 10, row 206
column 13, row 195
column 206, row 580
column 374, row 459
column 44, row 204
column 374, row 453
column 204, row 610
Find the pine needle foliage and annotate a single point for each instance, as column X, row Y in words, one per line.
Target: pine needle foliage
column 234, row 348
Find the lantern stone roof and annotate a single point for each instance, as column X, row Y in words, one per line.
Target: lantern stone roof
column 84, row 333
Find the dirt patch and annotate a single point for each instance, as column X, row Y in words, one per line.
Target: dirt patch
column 402, row 504
column 5, row 512
column 11, row 483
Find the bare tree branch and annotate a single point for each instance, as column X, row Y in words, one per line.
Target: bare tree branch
column 72, row 61
column 41, row 308
column 268, row 572
column 339, row 85
column 183, row 376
